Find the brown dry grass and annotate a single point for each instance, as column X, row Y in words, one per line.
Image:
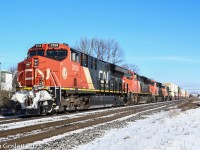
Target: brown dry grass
column 172, row 113
column 187, row 106
column 4, row 100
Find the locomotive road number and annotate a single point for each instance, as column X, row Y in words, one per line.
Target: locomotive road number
column 75, row 68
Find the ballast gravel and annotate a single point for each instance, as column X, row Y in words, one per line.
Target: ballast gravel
column 76, row 139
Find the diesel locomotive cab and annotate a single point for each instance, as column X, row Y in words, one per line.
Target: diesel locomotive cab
column 52, row 51
column 33, row 70
column 37, row 74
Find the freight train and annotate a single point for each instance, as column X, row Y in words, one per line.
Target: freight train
column 55, row 77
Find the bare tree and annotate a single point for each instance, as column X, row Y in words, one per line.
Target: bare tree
column 106, row 50
column 101, row 49
column 116, row 54
column 85, row 45
column 131, row 67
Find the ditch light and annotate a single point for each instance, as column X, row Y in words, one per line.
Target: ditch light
column 36, row 62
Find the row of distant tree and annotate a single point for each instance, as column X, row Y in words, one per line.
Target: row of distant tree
column 105, row 50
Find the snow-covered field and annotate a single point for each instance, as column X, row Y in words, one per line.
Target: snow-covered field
column 175, row 129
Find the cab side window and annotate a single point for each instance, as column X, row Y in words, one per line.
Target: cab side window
column 135, row 76
column 84, row 60
column 93, row 63
column 74, row 56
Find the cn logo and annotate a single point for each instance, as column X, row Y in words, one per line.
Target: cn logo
column 75, row 68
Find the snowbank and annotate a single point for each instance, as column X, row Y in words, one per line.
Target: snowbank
column 21, row 96
column 166, row 130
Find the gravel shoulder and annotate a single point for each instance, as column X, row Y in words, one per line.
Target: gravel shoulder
column 78, row 138
column 65, row 135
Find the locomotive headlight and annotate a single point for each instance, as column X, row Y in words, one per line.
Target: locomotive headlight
column 36, row 62
column 28, row 64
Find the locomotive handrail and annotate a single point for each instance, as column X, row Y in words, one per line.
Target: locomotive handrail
column 58, row 83
column 57, row 78
column 53, row 82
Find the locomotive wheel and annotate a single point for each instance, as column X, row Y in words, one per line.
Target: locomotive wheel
column 147, row 101
column 156, row 99
column 138, row 99
column 15, row 107
column 122, row 103
column 117, row 102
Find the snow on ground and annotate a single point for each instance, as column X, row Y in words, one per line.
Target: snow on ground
column 14, row 125
column 80, row 130
column 61, row 136
column 9, row 120
column 20, row 124
column 175, row 129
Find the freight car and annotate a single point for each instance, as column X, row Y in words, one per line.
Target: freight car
column 176, row 92
column 55, row 77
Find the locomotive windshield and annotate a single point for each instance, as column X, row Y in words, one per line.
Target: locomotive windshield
column 51, row 53
column 40, row 53
column 152, row 83
column 56, row 54
column 61, row 53
column 36, row 53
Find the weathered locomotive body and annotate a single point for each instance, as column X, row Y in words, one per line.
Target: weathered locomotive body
column 55, row 77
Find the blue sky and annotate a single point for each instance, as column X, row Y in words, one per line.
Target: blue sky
column 160, row 36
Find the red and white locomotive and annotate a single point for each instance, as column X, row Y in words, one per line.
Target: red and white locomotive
column 55, row 77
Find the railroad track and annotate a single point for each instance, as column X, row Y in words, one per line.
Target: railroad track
column 19, row 118
column 37, row 132
column 12, row 119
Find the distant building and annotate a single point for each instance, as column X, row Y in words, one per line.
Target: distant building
column 6, row 80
